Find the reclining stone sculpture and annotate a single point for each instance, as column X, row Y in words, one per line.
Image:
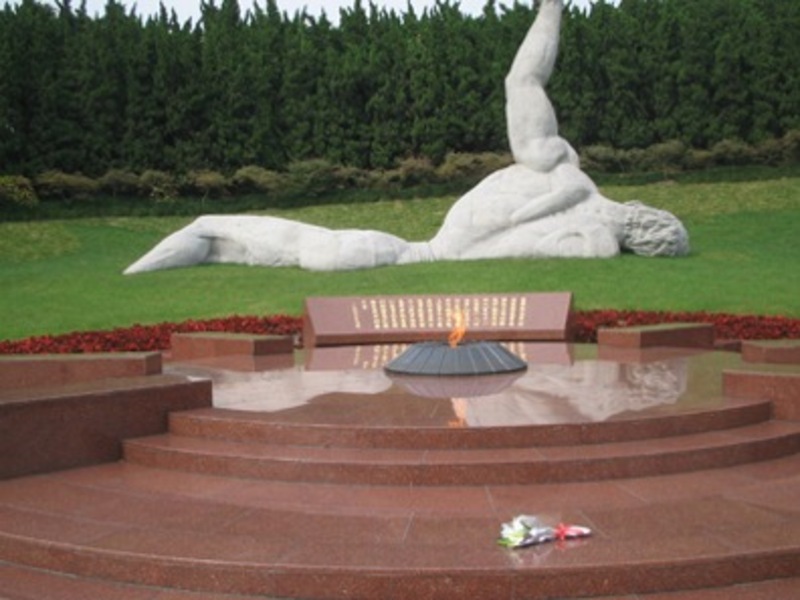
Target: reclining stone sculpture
column 542, row 206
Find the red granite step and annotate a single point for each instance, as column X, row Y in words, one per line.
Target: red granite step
column 382, row 466
column 23, row 371
column 283, row 506
column 243, row 426
column 22, row 583
column 123, row 527
column 47, row 428
column 25, row 583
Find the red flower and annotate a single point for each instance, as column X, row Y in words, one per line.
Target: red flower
column 144, row 338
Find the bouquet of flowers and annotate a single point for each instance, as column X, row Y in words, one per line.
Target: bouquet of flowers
column 527, row 530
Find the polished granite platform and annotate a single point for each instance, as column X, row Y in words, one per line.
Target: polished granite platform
column 317, row 474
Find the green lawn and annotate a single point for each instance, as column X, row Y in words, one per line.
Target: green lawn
column 62, row 276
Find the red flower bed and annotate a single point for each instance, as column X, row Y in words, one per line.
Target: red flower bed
column 726, row 326
column 139, row 338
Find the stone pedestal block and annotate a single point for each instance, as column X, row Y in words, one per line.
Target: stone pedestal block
column 785, row 352
column 36, row 370
column 193, row 346
column 48, row 429
column 782, row 387
column 675, row 335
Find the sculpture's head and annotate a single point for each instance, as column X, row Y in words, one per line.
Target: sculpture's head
column 653, row 232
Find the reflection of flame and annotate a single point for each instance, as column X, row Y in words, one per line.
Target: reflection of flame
column 460, row 408
column 459, row 329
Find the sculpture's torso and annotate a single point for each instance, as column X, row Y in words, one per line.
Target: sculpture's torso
column 481, row 224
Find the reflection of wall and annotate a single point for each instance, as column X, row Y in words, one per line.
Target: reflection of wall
column 585, row 391
column 280, row 390
column 333, row 358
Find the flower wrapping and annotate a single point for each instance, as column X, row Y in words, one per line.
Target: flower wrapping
column 528, row 530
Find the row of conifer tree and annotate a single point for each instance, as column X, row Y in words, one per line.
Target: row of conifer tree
column 88, row 93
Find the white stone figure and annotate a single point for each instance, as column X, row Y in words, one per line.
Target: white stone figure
column 542, row 206
column 271, row 242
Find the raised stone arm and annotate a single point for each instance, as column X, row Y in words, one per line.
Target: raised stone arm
column 559, row 200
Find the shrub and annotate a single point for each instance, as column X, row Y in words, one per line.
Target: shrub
column 769, row 152
column 415, row 171
column 603, row 158
column 386, row 180
column 257, row 179
column 160, row 186
column 697, row 160
column 666, row 156
column 790, row 144
column 118, row 182
column 209, row 184
column 408, row 173
column 17, row 191
column 467, row 167
column 313, row 177
column 353, row 178
column 632, row 160
column 57, row 184
column 732, row 153
column 784, row 151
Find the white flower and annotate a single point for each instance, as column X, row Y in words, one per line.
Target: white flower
column 524, row 530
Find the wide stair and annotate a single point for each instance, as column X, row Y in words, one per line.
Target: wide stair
column 699, row 504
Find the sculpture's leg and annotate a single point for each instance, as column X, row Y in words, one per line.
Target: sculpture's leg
column 273, row 242
column 342, row 250
column 267, row 241
column 530, row 118
column 537, row 54
column 183, row 248
column 417, row 252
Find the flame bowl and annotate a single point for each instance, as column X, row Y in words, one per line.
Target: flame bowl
column 455, row 387
column 469, row 358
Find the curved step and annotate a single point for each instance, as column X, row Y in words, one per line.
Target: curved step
column 345, row 582
column 25, row 583
column 242, row 426
column 505, row 466
column 117, row 528
column 290, row 505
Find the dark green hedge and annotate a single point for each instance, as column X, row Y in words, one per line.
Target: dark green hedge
column 132, row 93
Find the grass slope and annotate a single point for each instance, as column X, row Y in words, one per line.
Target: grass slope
column 62, row 276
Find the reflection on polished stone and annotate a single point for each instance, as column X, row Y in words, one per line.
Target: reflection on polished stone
column 586, row 391
column 564, row 383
